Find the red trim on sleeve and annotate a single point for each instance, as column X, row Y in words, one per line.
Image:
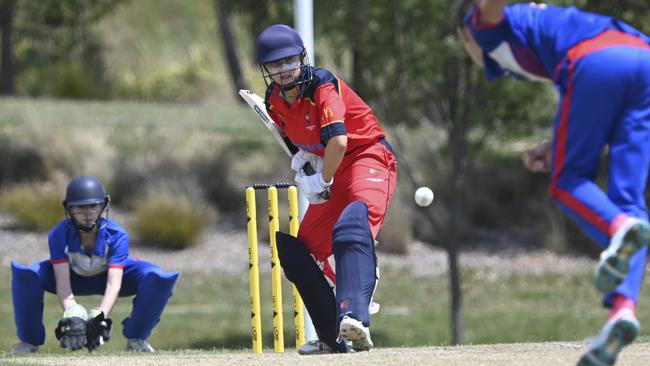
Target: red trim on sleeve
column 120, row 266
column 479, row 26
column 59, row 261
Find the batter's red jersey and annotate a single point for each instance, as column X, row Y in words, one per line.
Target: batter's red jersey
column 327, row 107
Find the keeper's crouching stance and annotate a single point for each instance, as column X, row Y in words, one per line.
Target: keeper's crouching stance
column 88, row 256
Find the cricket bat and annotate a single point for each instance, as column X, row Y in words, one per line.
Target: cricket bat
column 257, row 104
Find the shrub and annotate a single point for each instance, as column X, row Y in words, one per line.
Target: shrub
column 35, row 206
column 134, row 175
column 397, row 232
column 171, row 221
column 214, row 174
column 20, row 163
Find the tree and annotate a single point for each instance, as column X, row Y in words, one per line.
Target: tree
column 225, row 30
column 7, row 8
column 55, row 50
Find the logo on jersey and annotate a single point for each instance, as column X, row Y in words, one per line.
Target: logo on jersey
column 310, row 127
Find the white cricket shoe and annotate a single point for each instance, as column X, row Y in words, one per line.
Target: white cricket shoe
column 138, row 345
column 23, row 348
column 614, row 261
column 353, row 331
column 315, row 347
column 606, row 346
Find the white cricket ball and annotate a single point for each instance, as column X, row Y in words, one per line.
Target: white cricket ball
column 423, row 196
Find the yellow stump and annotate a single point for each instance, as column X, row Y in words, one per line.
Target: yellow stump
column 298, row 306
column 254, row 271
column 276, row 275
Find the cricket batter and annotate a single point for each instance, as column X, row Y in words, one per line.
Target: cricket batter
column 601, row 68
column 89, row 255
column 337, row 132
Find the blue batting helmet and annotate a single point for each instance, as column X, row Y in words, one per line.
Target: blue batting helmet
column 85, row 190
column 277, row 42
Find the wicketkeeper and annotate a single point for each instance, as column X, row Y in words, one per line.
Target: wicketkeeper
column 331, row 127
column 89, row 255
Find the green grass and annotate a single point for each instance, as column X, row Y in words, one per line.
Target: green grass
column 212, row 312
column 132, row 128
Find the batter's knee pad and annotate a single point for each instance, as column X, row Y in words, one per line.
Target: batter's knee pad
column 354, row 252
column 301, row 269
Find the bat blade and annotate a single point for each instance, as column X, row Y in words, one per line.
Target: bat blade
column 257, row 104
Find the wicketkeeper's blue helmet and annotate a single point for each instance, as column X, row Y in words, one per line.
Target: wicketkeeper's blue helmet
column 85, row 190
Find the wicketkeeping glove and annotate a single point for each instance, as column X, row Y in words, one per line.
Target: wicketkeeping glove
column 98, row 329
column 71, row 329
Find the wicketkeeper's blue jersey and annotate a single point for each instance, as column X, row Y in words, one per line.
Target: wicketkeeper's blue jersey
column 111, row 247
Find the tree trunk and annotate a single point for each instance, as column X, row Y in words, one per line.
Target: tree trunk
column 7, row 8
column 360, row 19
column 230, row 50
column 452, row 244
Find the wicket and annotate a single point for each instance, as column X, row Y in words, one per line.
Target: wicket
column 276, row 279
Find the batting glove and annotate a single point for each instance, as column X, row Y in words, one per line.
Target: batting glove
column 71, row 328
column 302, row 157
column 314, row 187
column 98, row 329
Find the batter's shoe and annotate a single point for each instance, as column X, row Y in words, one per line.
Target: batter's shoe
column 614, row 261
column 606, row 346
column 316, row 347
column 23, row 348
column 138, row 345
column 355, row 333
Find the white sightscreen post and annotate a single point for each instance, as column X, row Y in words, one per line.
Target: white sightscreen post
column 303, row 15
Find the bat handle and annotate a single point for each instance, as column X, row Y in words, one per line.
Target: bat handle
column 309, row 170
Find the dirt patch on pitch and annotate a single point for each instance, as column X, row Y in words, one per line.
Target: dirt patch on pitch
column 530, row 354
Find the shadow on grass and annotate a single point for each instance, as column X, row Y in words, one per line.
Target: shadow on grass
column 243, row 341
column 234, row 341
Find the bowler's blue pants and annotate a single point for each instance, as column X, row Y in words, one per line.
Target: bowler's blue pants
column 605, row 89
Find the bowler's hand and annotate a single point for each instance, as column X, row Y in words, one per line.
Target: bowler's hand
column 538, row 159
